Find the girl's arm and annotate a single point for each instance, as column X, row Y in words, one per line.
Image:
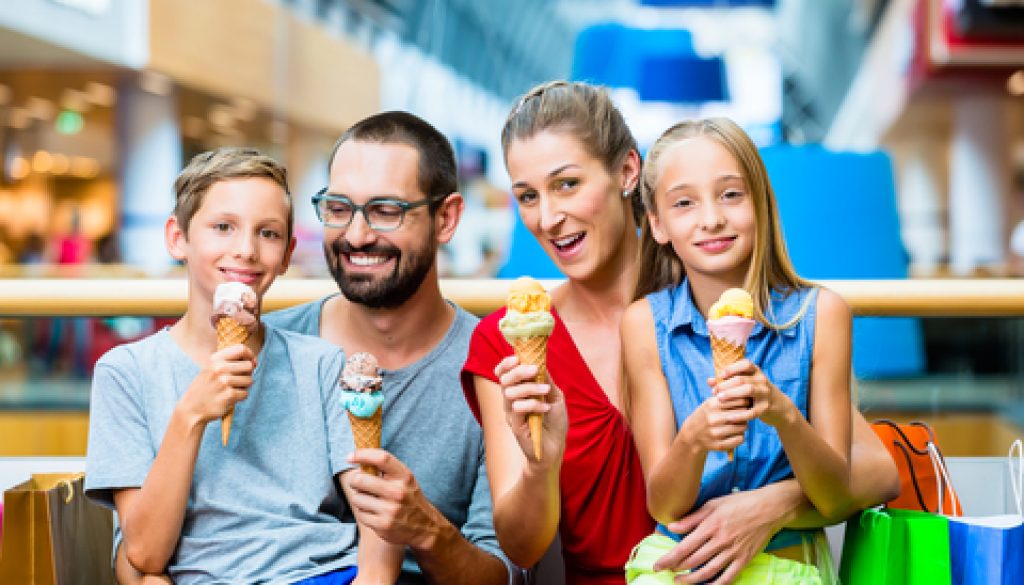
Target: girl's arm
column 152, row 516
column 818, row 447
column 525, row 491
column 673, row 462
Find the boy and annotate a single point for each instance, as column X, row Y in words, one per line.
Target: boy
column 265, row 507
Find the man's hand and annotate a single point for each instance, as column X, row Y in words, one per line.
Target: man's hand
column 392, row 503
column 721, row 537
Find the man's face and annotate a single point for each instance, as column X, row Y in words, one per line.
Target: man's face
column 379, row 269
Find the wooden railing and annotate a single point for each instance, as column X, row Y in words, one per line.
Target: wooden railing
column 166, row 297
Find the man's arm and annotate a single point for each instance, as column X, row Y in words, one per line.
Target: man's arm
column 393, row 505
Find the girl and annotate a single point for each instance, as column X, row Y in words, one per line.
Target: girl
column 786, row 410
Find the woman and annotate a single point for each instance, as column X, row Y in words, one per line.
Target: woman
column 575, row 168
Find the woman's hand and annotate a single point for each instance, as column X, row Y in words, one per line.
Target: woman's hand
column 718, row 424
column 749, row 394
column 722, row 536
column 523, row 396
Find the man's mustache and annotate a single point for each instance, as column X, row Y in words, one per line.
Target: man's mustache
column 341, row 246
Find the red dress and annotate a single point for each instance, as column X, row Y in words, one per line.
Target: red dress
column 604, row 511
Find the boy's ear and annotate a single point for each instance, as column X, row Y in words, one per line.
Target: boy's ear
column 656, row 230
column 287, row 260
column 175, row 238
column 447, row 217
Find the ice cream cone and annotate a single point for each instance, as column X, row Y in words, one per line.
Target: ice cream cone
column 534, row 351
column 229, row 332
column 366, row 434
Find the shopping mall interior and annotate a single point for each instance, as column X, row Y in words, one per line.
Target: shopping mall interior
column 893, row 131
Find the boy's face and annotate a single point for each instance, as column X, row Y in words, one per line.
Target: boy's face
column 238, row 234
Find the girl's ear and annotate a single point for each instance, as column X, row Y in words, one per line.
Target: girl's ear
column 656, row 229
column 175, row 239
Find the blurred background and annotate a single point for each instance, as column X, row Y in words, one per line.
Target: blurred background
column 893, row 131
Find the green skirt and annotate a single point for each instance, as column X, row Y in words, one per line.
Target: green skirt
column 763, row 569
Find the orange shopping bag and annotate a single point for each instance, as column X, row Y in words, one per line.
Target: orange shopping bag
column 924, row 483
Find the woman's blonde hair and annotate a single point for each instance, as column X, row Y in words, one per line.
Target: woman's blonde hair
column 770, row 267
column 580, row 110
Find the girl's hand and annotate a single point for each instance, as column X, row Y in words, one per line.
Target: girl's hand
column 223, row 382
column 523, row 396
column 745, row 389
column 717, row 425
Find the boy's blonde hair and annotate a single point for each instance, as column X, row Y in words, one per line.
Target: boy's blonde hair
column 223, row 164
column 770, row 267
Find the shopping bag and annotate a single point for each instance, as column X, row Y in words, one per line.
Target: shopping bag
column 892, row 546
column 53, row 535
column 924, row 485
column 990, row 550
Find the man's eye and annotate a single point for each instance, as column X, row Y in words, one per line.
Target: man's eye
column 387, row 210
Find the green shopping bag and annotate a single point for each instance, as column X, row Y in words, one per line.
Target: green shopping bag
column 896, row 547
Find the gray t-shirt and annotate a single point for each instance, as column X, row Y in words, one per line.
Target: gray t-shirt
column 264, row 509
column 429, row 427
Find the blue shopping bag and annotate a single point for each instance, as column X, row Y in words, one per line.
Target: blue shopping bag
column 990, row 550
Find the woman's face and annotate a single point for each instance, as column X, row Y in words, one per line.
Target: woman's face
column 704, row 209
column 570, row 202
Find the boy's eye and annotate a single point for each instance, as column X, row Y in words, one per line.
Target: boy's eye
column 270, row 234
column 222, row 226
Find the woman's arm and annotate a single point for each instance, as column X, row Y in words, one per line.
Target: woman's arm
column 725, row 533
column 673, row 462
column 152, row 516
column 525, row 490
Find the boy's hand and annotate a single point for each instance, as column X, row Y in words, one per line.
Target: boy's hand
column 745, row 388
column 222, row 383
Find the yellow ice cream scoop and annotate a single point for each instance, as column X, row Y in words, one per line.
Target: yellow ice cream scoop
column 735, row 302
column 526, row 295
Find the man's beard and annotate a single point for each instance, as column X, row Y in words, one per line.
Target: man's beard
column 376, row 292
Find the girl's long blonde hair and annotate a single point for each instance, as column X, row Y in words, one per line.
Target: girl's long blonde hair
column 770, row 267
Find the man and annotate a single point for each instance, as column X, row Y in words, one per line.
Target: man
column 391, row 201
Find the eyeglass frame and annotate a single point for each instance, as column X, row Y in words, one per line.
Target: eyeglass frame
column 405, row 206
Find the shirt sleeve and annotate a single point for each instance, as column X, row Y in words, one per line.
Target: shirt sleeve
column 120, row 451
column 339, row 430
column 487, row 347
column 479, row 526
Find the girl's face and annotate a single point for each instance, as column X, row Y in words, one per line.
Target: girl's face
column 570, row 202
column 704, row 210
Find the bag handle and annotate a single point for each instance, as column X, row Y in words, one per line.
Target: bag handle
column 910, row 444
column 1017, row 481
column 945, row 484
column 913, row 475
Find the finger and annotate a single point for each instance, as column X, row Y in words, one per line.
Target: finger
column 678, row 559
column 237, row 382
column 505, row 365
column 387, row 463
column 523, row 391
column 731, row 572
column 530, row 405
column 238, row 351
column 743, row 366
column 519, row 375
column 707, row 571
column 690, row 522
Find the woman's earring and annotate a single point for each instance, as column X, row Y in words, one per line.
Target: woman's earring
column 626, row 193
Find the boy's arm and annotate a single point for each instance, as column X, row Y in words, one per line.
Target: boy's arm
column 152, row 516
column 379, row 561
column 672, row 462
column 126, row 574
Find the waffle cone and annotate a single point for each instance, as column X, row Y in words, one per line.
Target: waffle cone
column 366, row 434
column 724, row 353
column 534, row 351
column 229, row 332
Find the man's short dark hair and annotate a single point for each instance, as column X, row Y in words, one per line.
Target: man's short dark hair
column 437, row 175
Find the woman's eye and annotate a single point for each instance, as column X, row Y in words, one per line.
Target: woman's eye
column 567, row 184
column 526, row 197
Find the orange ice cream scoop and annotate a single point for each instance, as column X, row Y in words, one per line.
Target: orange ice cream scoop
column 735, row 302
column 526, row 295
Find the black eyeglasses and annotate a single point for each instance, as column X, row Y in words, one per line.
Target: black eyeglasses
column 383, row 214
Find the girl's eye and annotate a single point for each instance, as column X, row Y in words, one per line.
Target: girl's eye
column 682, row 202
column 732, row 194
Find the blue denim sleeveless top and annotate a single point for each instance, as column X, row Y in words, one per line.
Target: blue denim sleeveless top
column 784, row 355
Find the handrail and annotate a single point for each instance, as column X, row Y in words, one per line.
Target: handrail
column 48, row 297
